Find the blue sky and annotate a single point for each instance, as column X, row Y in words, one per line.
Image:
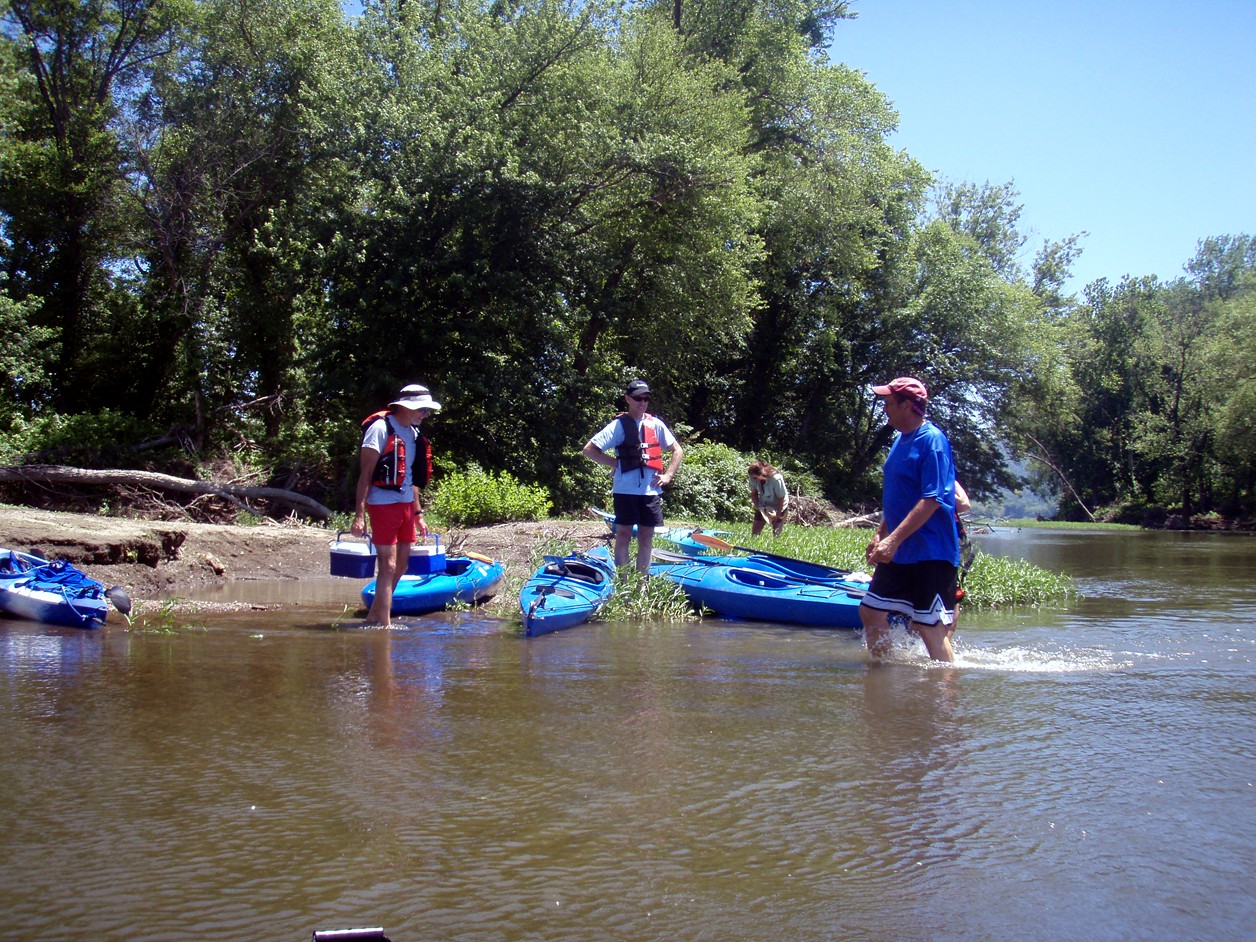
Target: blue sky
column 1132, row 121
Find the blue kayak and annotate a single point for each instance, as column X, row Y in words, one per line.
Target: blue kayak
column 55, row 593
column 680, row 537
column 746, row 590
column 468, row 578
column 566, row 591
column 784, row 566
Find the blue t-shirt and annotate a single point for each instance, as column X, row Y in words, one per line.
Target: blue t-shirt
column 635, row 481
column 920, row 465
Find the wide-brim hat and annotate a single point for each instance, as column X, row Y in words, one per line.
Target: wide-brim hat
column 415, row 396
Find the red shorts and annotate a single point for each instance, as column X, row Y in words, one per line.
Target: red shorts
column 391, row 523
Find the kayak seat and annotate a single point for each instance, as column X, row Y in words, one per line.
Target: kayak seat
column 585, row 572
column 759, row 579
column 555, row 566
column 455, row 566
column 574, row 569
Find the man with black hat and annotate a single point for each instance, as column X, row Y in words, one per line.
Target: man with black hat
column 639, row 440
column 916, row 550
column 394, row 465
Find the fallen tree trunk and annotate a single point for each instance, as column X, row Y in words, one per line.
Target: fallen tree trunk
column 58, row 474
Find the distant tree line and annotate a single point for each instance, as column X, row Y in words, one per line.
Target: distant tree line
column 236, row 227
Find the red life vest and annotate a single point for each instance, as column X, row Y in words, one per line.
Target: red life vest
column 634, row 453
column 390, row 469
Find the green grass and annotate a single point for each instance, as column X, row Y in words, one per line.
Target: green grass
column 646, row 598
column 999, row 582
column 1027, row 524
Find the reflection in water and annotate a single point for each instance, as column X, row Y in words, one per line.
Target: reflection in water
column 1082, row 772
column 912, row 743
column 55, row 655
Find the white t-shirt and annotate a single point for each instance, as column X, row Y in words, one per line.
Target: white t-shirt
column 639, row 480
column 374, row 437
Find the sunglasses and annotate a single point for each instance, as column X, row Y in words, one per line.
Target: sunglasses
column 640, row 398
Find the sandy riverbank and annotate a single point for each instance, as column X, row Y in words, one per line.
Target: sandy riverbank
column 156, row 559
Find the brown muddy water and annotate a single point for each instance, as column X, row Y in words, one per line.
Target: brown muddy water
column 1082, row 772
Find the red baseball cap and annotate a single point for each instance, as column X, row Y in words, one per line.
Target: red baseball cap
column 907, row 386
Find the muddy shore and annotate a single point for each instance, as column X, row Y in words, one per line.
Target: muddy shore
column 156, row 559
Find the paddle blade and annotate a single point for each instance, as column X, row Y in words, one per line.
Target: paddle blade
column 712, row 541
column 120, row 599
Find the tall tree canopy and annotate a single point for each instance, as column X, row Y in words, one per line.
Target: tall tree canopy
column 250, row 221
column 62, row 192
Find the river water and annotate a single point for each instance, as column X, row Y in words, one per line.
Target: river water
column 1085, row 772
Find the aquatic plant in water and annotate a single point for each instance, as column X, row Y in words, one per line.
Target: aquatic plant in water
column 166, row 620
column 646, row 598
column 998, row 581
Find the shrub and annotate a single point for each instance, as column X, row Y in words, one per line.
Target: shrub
column 711, row 485
column 581, row 483
column 475, row 498
column 91, row 439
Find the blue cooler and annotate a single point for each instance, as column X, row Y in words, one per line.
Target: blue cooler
column 355, row 560
column 426, row 558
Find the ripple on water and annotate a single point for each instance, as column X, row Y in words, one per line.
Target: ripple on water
column 1039, row 659
column 646, row 782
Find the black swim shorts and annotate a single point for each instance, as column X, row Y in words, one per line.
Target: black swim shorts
column 923, row 592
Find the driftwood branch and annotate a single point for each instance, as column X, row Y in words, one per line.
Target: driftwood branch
column 860, row 520
column 1042, row 456
column 45, row 473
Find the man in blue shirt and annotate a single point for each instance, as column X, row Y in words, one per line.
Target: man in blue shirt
column 916, row 550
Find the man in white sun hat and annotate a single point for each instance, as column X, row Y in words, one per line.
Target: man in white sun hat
column 394, row 465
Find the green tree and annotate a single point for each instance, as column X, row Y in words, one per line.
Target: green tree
column 1043, row 415
column 838, row 204
column 542, row 192
column 851, row 289
column 988, row 214
column 1234, row 391
column 1223, row 266
column 25, row 359
column 1224, row 273
column 237, row 145
column 62, row 182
